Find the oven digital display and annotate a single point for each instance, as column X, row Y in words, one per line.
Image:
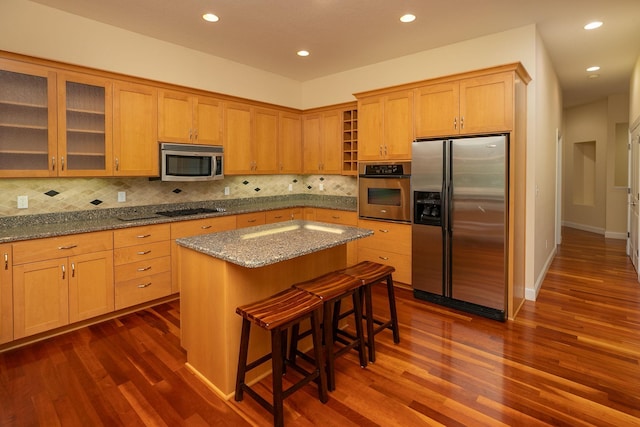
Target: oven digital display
column 384, row 196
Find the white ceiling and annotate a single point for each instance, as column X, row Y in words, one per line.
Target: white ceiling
column 346, row 34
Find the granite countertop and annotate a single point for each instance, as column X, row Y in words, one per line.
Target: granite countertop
column 25, row 227
column 262, row 245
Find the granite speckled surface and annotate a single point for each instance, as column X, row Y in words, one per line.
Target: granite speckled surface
column 258, row 246
column 27, row 227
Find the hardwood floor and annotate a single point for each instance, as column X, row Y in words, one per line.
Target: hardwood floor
column 572, row 358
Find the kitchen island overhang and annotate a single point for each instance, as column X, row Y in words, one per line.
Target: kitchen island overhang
column 220, row 271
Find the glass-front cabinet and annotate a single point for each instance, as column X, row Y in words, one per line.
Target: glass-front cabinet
column 28, row 139
column 84, row 125
column 53, row 124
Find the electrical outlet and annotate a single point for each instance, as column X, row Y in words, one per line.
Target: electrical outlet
column 23, row 202
column 321, row 186
column 122, row 196
column 227, row 191
column 290, row 187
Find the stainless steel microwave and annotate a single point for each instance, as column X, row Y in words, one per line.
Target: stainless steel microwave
column 190, row 162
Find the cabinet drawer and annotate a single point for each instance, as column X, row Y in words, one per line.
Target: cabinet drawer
column 139, row 235
column 143, row 289
column 202, row 226
column 388, row 235
column 136, row 270
column 63, row 246
column 250, row 219
column 141, row 252
column 337, row 217
column 402, row 263
column 280, row 215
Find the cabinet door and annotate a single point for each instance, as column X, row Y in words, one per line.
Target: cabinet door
column 84, row 125
column 436, row 110
column 370, row 137
column 175, row 116
column 135, row 129
column 208, row 121
column 311, row 150
column 91, row 289
column 264, row 141
column 290, row 144
column 398, row 125
column 237, row 139
column 28, row 138
column 486, row 104
column 40, row 296
column 331, row 142
column 6, row 294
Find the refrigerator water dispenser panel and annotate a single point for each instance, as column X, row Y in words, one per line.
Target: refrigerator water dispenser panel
column 428, row 208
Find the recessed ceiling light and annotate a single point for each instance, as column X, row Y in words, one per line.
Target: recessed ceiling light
column 210, row 17
column 303, row 53
column 593, row 25
column 407, row 18
column 594, row 68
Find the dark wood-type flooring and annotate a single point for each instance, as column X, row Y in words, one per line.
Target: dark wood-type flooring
column 572, row 358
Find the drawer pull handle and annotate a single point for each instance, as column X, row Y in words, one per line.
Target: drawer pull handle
column 144, row 285
column 6, row 261
column 384, row 258
column 64, row 270
column 144, row 268
column 252, row 220
column 383, row 231
column 143, row 252
column 277, row 217
column 67, row 247
column 205, row 227
column 143, row 236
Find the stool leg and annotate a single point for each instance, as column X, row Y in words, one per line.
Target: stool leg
column 293, row 345
column 392, row 310
column 276, row 374
column 327, row 329
column 357, row 312
column 319, row 356
column 370, row 323
column 242, row 359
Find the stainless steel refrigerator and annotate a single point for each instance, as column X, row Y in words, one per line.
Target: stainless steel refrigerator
column 459, row 222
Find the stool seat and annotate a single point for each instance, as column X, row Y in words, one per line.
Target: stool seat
column 370, row 273
column 276, row 314
column 331, row 288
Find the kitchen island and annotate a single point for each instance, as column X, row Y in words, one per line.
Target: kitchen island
column 221, row 271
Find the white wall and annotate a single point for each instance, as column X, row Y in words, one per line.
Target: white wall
column 616, row 196
column 634, row 102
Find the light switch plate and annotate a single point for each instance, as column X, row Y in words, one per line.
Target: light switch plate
column 23, row 202
column 321, row 187
column 122, row 196
column 290, row 187
column 227, row 191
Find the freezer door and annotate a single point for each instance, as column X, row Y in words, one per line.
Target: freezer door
column 426, row 259
column 478, row 220
column 427, row 164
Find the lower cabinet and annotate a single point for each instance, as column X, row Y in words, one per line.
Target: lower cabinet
column 61, row 280
column 142, row 258
column 343, row 218
column 250, row 219
column 280, row 215
column 390, row 245
column 6, row 293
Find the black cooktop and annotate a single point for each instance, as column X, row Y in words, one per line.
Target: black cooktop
column 187, row 212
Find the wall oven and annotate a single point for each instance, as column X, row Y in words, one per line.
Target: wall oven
column 190, row 162
column 384, row 191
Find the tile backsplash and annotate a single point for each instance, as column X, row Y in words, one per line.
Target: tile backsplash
column 50, row 195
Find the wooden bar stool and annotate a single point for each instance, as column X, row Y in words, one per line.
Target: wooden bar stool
column 276, row 314
column 371, row 273
column 331, row 288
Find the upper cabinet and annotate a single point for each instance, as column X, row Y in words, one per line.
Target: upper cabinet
column 473, row 105
column 135, row 130
column 290, row 143
column 385, row 124
column 250, row 139
column 189, row 118
column 322, row 142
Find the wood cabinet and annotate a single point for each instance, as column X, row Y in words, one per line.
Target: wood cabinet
column 290, row 144
column 474, row 105
column 350, row 142
column 6, row 293
column 189, row 118
column 281, row 215
column 190, row 228
column 250, row 219
column 385, row 124
column 135, row 130
column 61, row 280
column 341, row 217
column 390, row 245
column 142, row 259
column 250, row 139
column 322, row 142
